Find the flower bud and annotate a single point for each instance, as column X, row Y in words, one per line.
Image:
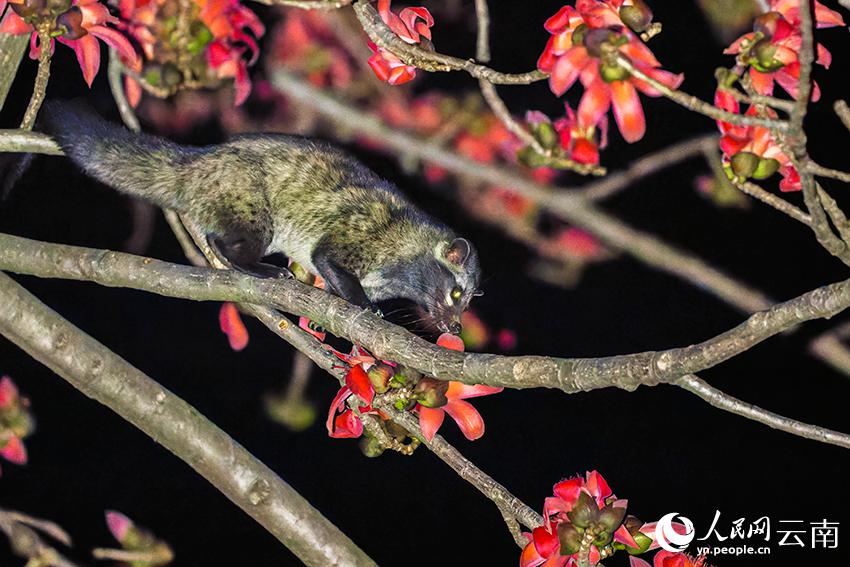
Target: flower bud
column 29, row 8
column 585, row 511
column 404, row 376
column 570, row 538
column 766, row 23
column 764, row 59
column 611, row 73
column 371, row 447
column 638, row 16
column 380, row 376
column 579, row 33
column 596, row 40
column 72, row 23
column 431, row 393
column 610, row 517
column 744, row 164
column 766, row 168
column 545, row 134
column 530, row 158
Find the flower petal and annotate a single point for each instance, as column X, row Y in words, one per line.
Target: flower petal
column 88, row 55
column 358, row 382
column 460, row 391
column 430, row 420
column 628, row 111
column 231, row 325
column 118, row 524
column 529, row 557
column 545, row 542
column 14, row 451
column 467, row 418
column 594, row 103
column 567, row 69
column 8, row 392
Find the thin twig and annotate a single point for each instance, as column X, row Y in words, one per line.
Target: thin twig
column 482, row 43
column 843, row 112
column 41, row 79
column 774, row 201
column 647, row 165
column 414, row 55
column 697, row 105
column 728, row 403
column 822, row 171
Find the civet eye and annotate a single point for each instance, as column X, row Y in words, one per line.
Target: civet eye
column 456, row 293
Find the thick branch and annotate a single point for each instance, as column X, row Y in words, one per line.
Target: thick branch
column 391, row 342
column 99, row 373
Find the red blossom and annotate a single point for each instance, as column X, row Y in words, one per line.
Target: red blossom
column 772, row 50
column 413, row 26
column 580, row 35
column 80, row 27
column 752, row 151
column 342, row 422
column 544, row 546
column 578, row 138
column 306, row 42
column 468, row 419
column 670, row 559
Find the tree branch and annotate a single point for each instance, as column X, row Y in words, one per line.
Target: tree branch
column 99, row 373
column 390, row 342
column 728, row 403
column 414, row 55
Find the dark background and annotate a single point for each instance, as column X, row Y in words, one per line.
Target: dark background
column 662, row 448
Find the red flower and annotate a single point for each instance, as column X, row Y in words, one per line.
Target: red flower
column 772, row 50
column 413, row 25
column 544, row 547
column 581, row 38
column 752, row 151
column 342, row 422
column 468, row 419
column 578, row 139
column 79, row 28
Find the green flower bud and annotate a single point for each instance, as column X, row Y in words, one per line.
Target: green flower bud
column 603, row 538
column 765, row 24
column 764, row 59
column 611, row 73
column 744, row 164
column 371, row 447
column 546, row 135
column 530, row 158
column 431, row 393
column 585, row 512
column 570, row 538
column 643, row 541
column 610, row 517
column 638, row 16
column 72, row 24
column 579, row 33
column 766, row 168
column 598, row 40
column 380, row 376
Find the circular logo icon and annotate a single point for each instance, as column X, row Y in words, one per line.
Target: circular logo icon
column 674, row 538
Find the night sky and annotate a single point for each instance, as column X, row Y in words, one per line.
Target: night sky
column 662, row 448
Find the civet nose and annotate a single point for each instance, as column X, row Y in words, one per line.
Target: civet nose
column 455, row 328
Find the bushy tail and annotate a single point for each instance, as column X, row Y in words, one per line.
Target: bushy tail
column 139, row 164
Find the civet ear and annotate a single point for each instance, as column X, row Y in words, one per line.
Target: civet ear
column 458, row 251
